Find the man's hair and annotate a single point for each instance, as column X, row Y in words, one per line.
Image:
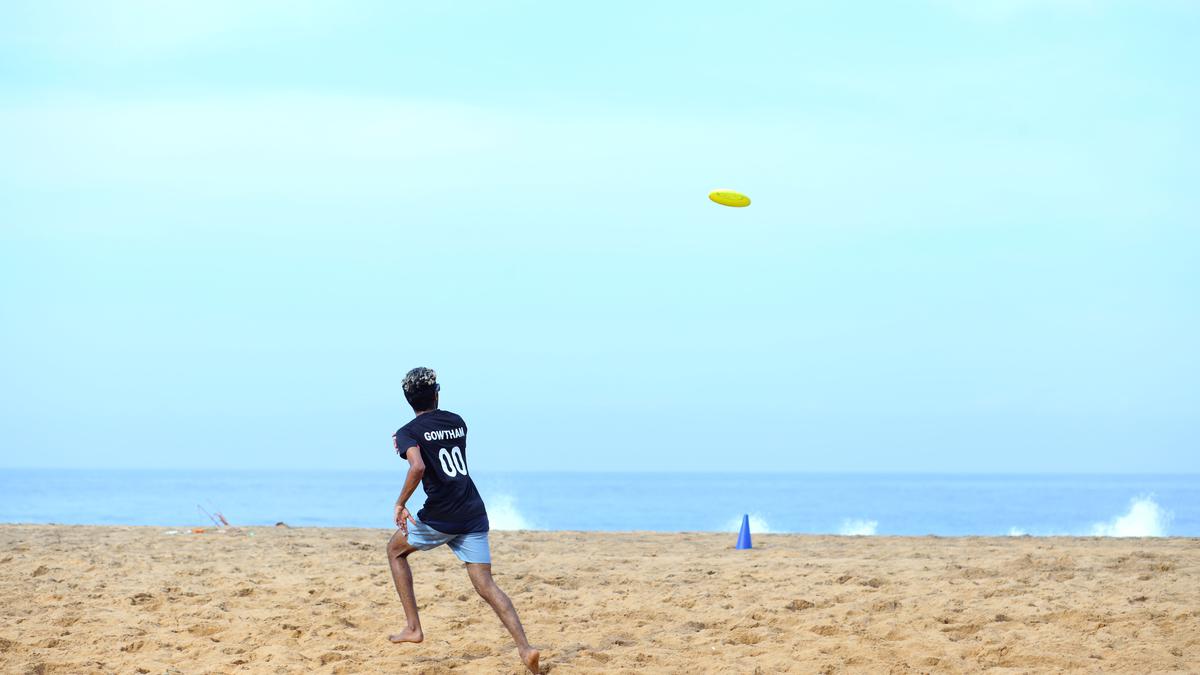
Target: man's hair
column 420, row 388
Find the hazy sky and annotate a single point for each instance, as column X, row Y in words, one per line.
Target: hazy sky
column 227, row 229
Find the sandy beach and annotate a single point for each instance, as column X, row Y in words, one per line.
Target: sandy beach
column 138, row 600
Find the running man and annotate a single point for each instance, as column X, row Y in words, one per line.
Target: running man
column 435, row 445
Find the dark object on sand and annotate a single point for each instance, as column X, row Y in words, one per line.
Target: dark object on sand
column 282, row 524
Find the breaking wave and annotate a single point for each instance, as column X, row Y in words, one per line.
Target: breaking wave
column 503, row 514
column 758, row 524
column 858, row 527
column 1145, row 518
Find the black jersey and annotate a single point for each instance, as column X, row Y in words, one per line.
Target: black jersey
column 452, row 504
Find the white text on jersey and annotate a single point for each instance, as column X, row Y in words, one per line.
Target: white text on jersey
column 443, row 434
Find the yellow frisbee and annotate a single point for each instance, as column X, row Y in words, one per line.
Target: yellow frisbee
column 729, row 198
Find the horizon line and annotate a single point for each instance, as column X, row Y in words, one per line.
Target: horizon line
column 636, row 472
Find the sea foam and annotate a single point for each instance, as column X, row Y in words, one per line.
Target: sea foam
column 856, row 527
column 1145, row 518
column 503, row 514
column 758, row 524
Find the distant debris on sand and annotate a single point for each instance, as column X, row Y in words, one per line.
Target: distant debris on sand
column 218, row 519
column 282, row 524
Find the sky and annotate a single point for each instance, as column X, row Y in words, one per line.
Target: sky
column 227, row 229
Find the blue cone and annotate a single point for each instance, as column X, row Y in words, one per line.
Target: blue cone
column 744, row 535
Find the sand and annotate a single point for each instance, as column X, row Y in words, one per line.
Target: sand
column 136, row 600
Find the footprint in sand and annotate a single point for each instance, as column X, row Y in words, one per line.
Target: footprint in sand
column 205, row 629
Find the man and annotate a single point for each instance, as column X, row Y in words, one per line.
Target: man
column 435, row 445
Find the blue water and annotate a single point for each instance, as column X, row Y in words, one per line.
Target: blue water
column 1151, row 505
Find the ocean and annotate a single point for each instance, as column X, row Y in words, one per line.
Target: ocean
column 850, row 504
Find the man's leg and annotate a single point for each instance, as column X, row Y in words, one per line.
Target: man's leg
column 481, row 578
column 398, row 550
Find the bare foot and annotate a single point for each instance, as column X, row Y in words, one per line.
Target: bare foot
column 408, row 635
column 530, row 656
